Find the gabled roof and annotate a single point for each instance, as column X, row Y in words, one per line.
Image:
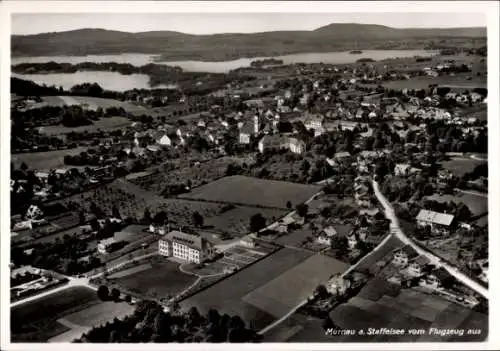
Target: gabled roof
column 435, row 217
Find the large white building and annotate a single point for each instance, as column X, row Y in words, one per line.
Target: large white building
column 188, row 247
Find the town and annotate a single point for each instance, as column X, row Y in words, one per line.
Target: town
column 271, row 203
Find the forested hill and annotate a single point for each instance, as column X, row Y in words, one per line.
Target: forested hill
column 175, row 45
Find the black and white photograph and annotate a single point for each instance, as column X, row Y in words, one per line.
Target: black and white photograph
column 248, row 176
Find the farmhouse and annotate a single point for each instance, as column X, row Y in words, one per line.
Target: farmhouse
column 325, row 237
column 338, row 285
column 403, row 255
column 107, row 245
column 439, row 222
column 188, row 247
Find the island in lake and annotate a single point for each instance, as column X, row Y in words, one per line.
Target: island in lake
column 356, row 52
column 266, row 62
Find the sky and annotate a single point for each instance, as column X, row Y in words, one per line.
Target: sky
column 209, row 23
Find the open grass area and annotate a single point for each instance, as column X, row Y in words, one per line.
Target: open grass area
column 243, row 190
column 236, row 221
column 457, row 82
column 161, row 280
column 460, row 165
column 92, row 103
column 277, row 298
column 227, row 295
column 36, row 321
column 45, row 160
column 104, row 123
column 477, row 204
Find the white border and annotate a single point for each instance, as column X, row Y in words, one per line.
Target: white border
column 490, row 8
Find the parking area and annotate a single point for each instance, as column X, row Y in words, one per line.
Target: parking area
column 241, row 256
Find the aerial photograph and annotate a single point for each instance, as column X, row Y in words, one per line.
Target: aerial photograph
column 248, row 177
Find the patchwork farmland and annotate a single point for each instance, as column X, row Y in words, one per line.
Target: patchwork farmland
column 62, row 316
column 249, row 191
column 227, row 296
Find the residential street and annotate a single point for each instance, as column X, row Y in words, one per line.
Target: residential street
column 396, row 230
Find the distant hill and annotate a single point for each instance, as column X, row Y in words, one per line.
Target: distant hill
column 175, row 45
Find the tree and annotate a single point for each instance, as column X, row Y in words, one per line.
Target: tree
column 147, row 216
column 288, row 205
column 115, row 294
column 339, row 245
column 321, row 291
column 198, row 219
column 328, row 323
column 128, row 298
column 302, row 209
column 257, row 222
column 115, row 212
column 103, row 293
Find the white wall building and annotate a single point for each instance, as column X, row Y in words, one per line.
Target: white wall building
column 188, row 247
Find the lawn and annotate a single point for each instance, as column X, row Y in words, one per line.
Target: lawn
column 159, row 281
column 477, row 204
column 243, row 190
column 36, row 321
column 104, row 123
column 236, row 221
column 277, row 298
column 294, row 238
column 45, row 160
column 227, row 295
column 459, row 165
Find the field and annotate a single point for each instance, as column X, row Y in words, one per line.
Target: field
column 182, row 172
column 480, row 112
column 240, row 256
column 45, row 160
column 294, row 238
column 277, row 298
column 92, row 103
column 105, row 123
column 36, row 321
column 162, row 279
column 457, row 82
column 383, row 253
column 227, row 295
column 477, row 204
column 409, row 309
column 460, row 165
column 133, row 200
column 236, row 221
column 253, row 192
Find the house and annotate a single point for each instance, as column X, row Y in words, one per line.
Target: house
column 296, row 146
column 439, row 222
column 273, row 142
column 326, row 236
column 352, row 240
column 164, row 140
column 184, row 246
column 33, row 212
column 436, row 279
column 247, row 241
column 403, row 256
column 416, row 267
column 338, row 285
column 339, row 156
column 402, row 169
column 249, row 128
column 106, row 245
column 314, row 122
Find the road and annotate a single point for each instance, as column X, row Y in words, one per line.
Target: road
column 472, row 192
column 74, row 282
column 438, row 262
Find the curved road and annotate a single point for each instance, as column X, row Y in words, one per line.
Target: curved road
column 398, row 232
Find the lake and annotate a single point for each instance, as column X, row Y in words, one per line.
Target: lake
column 225, row 66
column 118, row 82
column 107, row 80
